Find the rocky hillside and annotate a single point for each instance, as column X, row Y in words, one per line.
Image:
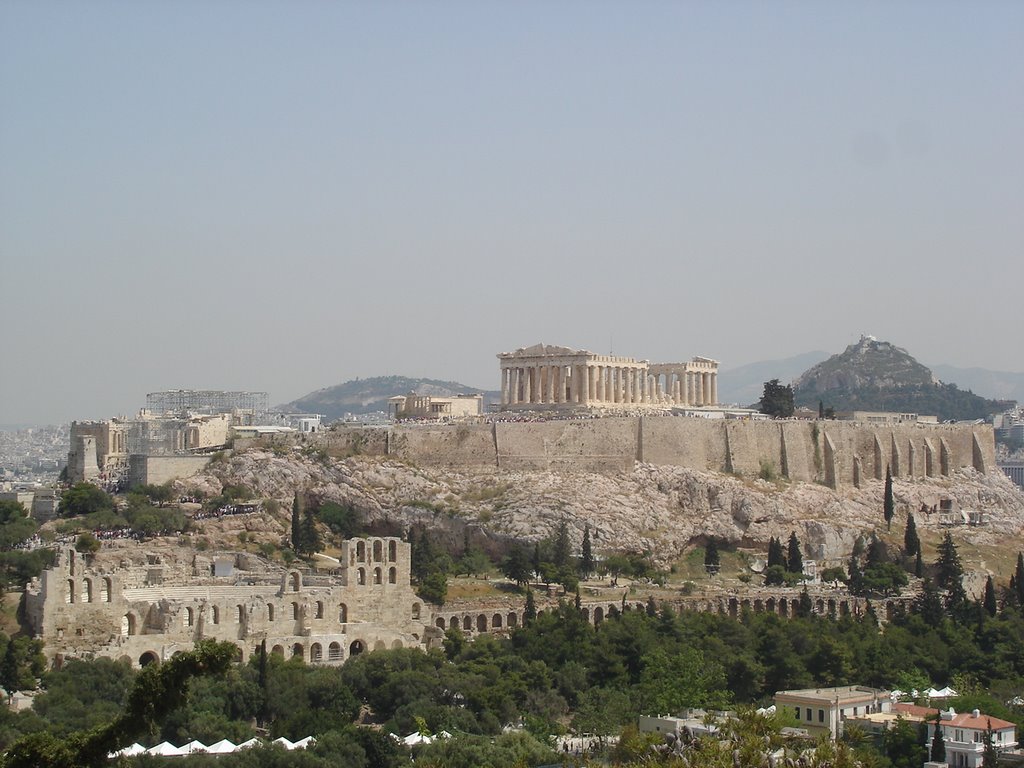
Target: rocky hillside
column 660, row 509
column 874, row 375
column 370, row 395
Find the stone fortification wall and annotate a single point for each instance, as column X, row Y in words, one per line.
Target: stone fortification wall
column 594, row 445
column 156, row 470
column 835, row 453
column 462, row 445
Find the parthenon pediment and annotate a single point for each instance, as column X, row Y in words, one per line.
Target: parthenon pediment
column 547, row 349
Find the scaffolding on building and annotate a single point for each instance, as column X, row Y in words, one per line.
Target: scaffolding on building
column 207, row 401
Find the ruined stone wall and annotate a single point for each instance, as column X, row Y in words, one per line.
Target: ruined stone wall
column 146, row 608
column 835, row 453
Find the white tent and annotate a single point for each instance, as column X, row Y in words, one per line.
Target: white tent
column 129, row 751
column 253, row 742
column 942, row 693
column 284, row 743
column 165, row 749
column 222, row 747
column 303, row 743
column 416, row 738
column 194, row 746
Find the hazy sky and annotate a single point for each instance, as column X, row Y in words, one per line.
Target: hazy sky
column 281, row 196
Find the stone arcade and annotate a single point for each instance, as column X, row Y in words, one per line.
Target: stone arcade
column 545, row 377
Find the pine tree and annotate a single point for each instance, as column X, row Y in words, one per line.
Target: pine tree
column 911, row 541
column 888, row 504
column 712, row 562
column 990, row 598
column 586, row 555
column 530, row 610
column 517, row 566
column 794, row 559
column 877, row 552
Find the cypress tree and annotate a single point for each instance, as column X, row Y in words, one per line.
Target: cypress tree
column 888, row 504
column 938, row 744
column 918, row 565
column 856, row 576
column 530, row 610
column 794, row 559
column 586, row 555
column 1019, row 578
column 712, row 561
column 990, row 597
column 561, row 555
column 296, row 523
column 775, row 554
column 911, row 541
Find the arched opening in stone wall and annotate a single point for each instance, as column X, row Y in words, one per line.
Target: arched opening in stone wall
column 360, row 552
column 361, row 576
column 356, row 648
column 392, row 551
column 769, row 605
column 270, row 611
column 149, row 657
column 69, row 595
column 319, row 609
column 481, row 623
column 190, row 617
column 819, row 606
column 316, row 653
column 453, row 623
column 87, row 591
column 467, row 623
column 416, row 611
column 295, row 611
column 298, row 651
column 378, row 551
column 832, row 608
column 380, row 645
column 240, row 613
column 334, row 652
column 278, row 650
column 392, row 575
column 296, row 581
column 439, row 622
column 106, row 590
column 129, row 625
column 342, row 613
column 396, row 644
column 513, row 620
column 783, row 607
column 496, row 621
column 376, row 576
column 598, row 614
column 734, row 607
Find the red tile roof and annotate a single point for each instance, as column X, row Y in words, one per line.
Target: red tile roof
column 962, row 720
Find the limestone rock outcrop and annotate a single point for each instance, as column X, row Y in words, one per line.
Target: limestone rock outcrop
column 660, row 509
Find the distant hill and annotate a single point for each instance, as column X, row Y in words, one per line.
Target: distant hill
column 369, row 395
column 745, row 384
column 874, row 375
column 1000, row 385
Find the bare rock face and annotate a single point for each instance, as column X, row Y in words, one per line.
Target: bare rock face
column 660, row 509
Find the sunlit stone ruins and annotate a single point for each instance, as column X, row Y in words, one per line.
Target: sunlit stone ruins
column 546, row 377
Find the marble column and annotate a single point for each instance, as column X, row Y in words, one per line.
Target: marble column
column 514, row 388
column 698, row 389
column 714, row 389
column 706, row 389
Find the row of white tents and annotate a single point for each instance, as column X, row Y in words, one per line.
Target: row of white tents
column 222, row 747
column 931, row 693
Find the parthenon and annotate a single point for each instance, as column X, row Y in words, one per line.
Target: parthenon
column 545, row 377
